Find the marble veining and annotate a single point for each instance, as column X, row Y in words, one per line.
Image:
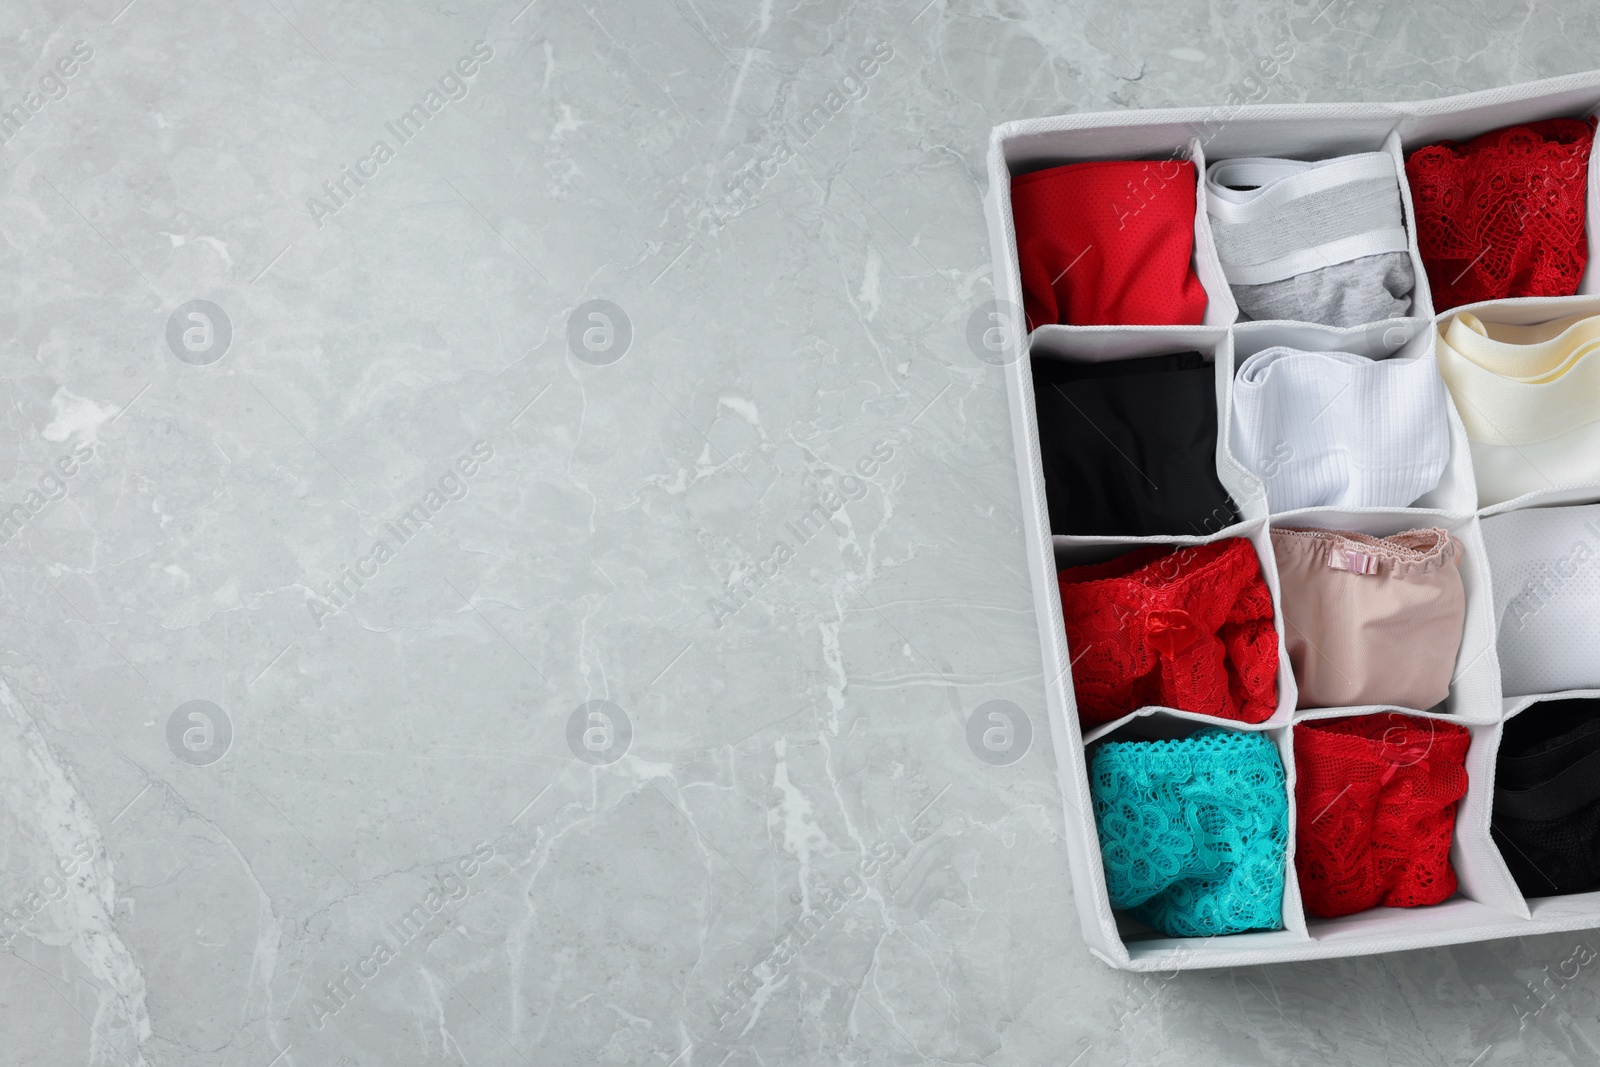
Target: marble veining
column 505, row 541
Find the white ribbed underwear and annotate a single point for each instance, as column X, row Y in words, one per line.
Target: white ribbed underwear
column 1337, row 429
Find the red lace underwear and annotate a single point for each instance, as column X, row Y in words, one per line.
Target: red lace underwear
column 1108, row 244
column 1376, row 797
column 1189, row 629
column 1503, row 214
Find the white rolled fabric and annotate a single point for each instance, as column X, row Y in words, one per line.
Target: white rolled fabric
column 1337, row 429
column 1321, row 242
column 1546, row 568
column 1529, row 397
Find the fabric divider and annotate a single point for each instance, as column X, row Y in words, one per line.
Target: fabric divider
column 1590, row 284
column 1422, row 294
column 1222, row 309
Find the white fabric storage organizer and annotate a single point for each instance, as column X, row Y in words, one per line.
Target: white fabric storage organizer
column 1488, row 903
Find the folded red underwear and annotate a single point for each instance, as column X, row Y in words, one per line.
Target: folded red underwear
column 1376, row 796
column 1503, row 214
column 1189, row 629
column 1108, row 243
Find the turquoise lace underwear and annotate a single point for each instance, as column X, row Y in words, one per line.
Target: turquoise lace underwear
column 1192, row 832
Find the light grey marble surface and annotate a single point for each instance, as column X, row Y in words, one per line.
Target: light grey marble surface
column 396, row 731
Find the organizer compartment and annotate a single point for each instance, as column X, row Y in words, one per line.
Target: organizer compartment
column 1475, row 682
column 1389, row 339
column 1529, row 311
column 1106, row 344
column 1148, row 949
column 1571, row 908
column 1077, row 551
column 1540, row 903
column 1463, row 117
column 1296, row 215
column 1100, row 345
column 1547, row 562
column 1487, row 904
column 1155, row 147
column 1483, row 880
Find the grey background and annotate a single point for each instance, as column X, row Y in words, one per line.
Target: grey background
column 806, row 753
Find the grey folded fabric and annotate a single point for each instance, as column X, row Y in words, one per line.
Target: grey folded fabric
column 1320, row 242
column 1344, row 294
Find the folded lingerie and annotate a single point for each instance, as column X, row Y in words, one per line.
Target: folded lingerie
column 1129, row 447
column 1189, row 629
column 1546, row 567
column 1546, row 817
column 1339, row 429
column 1319, row 242
column 1371, row 620
column 1108, row 243
column 1376, row 796
column 1529, row 397
column 1504, row 214
column 1193, row 831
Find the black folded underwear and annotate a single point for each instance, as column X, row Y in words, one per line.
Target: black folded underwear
column 1546, row 817
column 1130, row 446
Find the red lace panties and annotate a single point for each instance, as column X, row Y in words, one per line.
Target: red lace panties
column 1503, row 214
column 1376, row 800
column 1189, row 629
column 1108, row 244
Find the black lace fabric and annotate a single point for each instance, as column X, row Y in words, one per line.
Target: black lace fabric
column 1547, row 797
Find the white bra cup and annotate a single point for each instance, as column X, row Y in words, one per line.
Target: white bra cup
column 1546, row 567
column 1337, row 429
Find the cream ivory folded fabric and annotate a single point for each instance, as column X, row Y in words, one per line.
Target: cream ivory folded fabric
column 1529, row 397
column 1320, row 242
column 1337, row 429
column 1546, row 567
